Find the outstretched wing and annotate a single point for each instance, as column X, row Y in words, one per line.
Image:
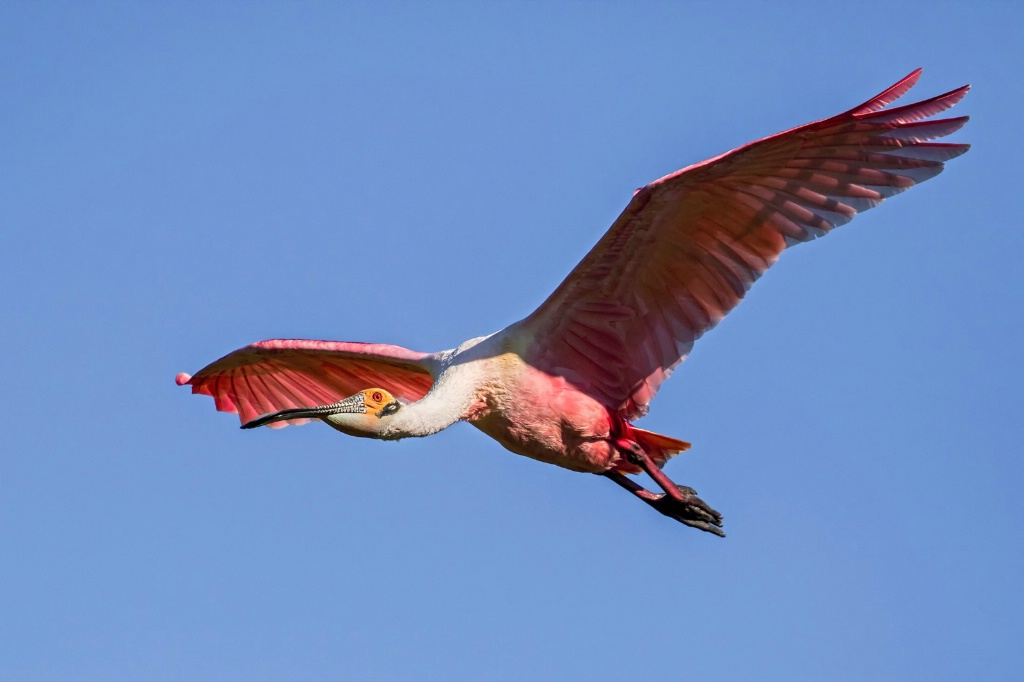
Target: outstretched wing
column 688, row 246
column 280, row 374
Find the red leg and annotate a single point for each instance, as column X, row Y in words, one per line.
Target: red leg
column 634, row 487
column 637, row 455
column 678, row 502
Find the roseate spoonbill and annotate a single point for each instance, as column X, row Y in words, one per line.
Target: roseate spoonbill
column 563, row 385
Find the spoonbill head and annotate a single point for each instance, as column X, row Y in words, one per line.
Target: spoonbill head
column 365, row 414
column 565, row 384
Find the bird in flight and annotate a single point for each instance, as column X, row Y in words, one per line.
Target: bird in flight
column 565, row 384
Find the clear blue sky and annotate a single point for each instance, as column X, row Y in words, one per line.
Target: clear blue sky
column 180, row 179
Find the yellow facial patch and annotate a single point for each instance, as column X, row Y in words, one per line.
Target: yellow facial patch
column 376, row 398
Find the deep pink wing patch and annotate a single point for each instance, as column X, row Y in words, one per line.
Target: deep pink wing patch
column 280, row 374
column 689, row 245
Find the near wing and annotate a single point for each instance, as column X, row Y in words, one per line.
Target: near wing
column 279, row 374
column 688, row 246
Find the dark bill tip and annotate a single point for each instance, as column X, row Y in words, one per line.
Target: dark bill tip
column 298, row 413
column 348, row 405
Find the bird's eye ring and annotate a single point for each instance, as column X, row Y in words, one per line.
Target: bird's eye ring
column 377, row 397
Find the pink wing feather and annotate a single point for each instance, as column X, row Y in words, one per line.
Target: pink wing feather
column 689, row 245
column 280, row 374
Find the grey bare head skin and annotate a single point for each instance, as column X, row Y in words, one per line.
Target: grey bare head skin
column 365, row 414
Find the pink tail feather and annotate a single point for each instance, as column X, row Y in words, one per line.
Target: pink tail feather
column 660, row 448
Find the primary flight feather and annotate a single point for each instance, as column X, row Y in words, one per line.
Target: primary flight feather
column 564, row 384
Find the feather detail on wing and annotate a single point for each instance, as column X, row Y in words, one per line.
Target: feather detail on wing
column 281, row 374
column 689, row 245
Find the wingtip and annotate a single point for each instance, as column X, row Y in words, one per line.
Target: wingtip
column 910, row 80
column 182, row 378
column 956, row 94
column 889, row 95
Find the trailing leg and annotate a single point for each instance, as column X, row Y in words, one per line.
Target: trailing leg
column 678, row 501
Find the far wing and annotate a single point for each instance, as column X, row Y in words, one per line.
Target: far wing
column 280, row 374
column 688, row 246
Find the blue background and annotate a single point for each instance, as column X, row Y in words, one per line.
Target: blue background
column 180, row 179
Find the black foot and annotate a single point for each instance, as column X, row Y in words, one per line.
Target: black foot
column 691, row 510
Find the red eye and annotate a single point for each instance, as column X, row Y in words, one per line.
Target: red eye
column 377, row 397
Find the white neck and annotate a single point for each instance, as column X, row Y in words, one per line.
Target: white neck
column 422, row 418
column 466, row 374
column 445, row 404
